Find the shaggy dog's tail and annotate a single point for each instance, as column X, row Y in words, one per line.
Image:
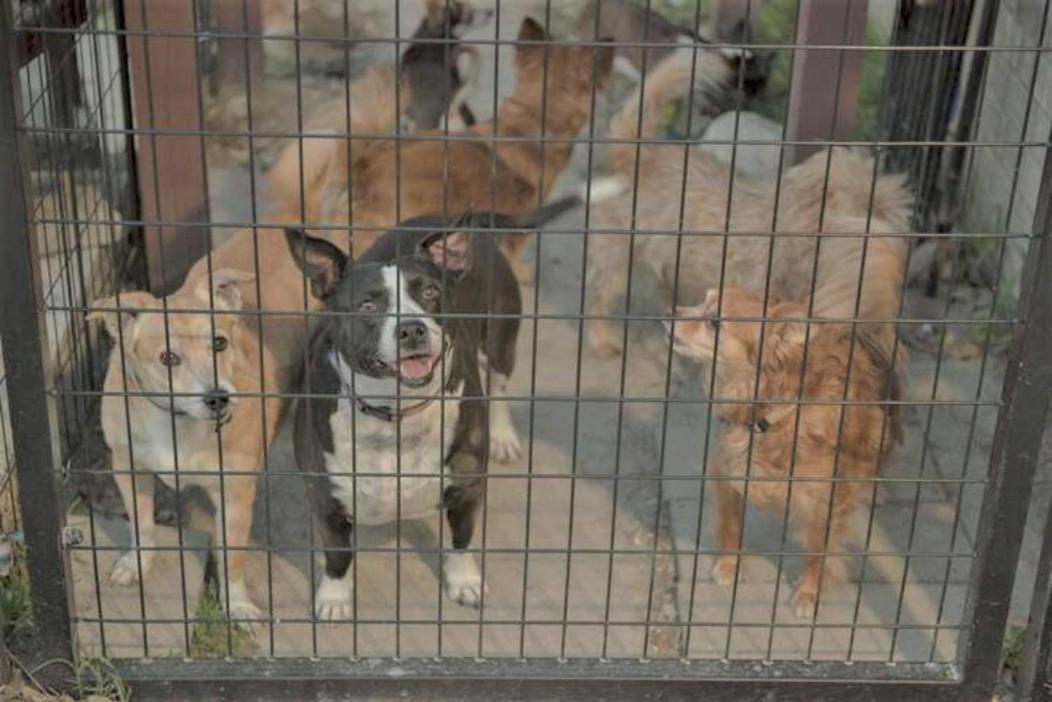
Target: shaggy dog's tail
column 664, row 82
column 863, row 225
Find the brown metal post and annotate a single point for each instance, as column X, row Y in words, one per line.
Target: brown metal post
column 166, row 97
column 825, row 82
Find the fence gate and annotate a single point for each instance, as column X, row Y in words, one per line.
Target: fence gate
column 137, row 136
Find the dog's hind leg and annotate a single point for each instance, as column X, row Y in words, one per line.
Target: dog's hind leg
column 137, row 495
column 335, row 597
column 729, row 516
column 496, row 364
column 504, row 445
column 820, row 542
column 233, row 526
column 463, row 579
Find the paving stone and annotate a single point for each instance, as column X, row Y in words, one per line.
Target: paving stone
column 170, row 592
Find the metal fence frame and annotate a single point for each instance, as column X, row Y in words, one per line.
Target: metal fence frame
column 1020, row 424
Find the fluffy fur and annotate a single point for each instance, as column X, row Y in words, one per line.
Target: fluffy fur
column 356, row 182
column 737, row 219
column 782, row 450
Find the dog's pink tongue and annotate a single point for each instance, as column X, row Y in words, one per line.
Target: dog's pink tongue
column 416, row 368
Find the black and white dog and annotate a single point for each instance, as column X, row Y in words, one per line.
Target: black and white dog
column 395, row 424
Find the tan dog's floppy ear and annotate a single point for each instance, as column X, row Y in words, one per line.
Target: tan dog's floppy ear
column 530, row 30
column 450, row 251
column 320, row 261
column 121, row 322
column 225, row 287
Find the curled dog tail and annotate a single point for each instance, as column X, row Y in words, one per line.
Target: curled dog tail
column 664, row 82
column 319, row 161
column 862, row 264
column 840, row 181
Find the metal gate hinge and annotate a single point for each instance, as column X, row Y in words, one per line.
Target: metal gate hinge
column 72, row 536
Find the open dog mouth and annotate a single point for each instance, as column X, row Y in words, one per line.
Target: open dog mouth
column 416, row 369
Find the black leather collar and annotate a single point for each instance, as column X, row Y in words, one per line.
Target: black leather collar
column 387, row 414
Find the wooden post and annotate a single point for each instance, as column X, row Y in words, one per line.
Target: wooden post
column 165, row 95
column 816, row 111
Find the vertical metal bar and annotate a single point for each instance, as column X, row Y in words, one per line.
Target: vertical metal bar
column 1013, row 458
column 21, row 319
column 1034, row 676
column 253, row 67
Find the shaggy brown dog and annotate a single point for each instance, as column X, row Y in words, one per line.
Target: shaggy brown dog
column 394, row 180
column 782, row 448
column 735, row 228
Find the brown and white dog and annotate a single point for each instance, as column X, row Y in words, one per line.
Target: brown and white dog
column 773, row 447
column 734, row 228
column 184, row 403
column 551, row 103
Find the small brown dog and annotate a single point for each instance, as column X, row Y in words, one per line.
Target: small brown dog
column 777, row 447
column 184, row 402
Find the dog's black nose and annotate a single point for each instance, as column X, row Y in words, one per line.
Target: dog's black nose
column 217, row 400
column 412, row 333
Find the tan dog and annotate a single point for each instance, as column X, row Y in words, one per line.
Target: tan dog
column 552, row 98
column 193, row 381
column 782, row 449
column 766, row 226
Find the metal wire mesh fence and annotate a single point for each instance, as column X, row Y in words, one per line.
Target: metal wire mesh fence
column 525, row 343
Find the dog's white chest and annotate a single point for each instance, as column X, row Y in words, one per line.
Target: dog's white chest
column 381, row 471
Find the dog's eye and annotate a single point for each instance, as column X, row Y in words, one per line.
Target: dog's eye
column 219, row 344
column 170, row 359
column 714, row 323
column 430, row 293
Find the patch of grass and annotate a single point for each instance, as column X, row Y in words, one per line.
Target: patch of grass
column 16, row 606
column 1012, row 648
column 213, row 635
column 682, row 11
column 97, row 676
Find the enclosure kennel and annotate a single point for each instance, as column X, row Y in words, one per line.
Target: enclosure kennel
column 135, row 134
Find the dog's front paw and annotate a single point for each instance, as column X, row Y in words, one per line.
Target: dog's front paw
column 245, row 613
column 725, row 570
column 504, row 446
column 126, row 570
column 804, row 601
column 335, row 599
column 463, row 579
column 240, row 608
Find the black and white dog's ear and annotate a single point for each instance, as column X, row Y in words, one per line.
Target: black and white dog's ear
column 323, row 263
column 451, row 251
